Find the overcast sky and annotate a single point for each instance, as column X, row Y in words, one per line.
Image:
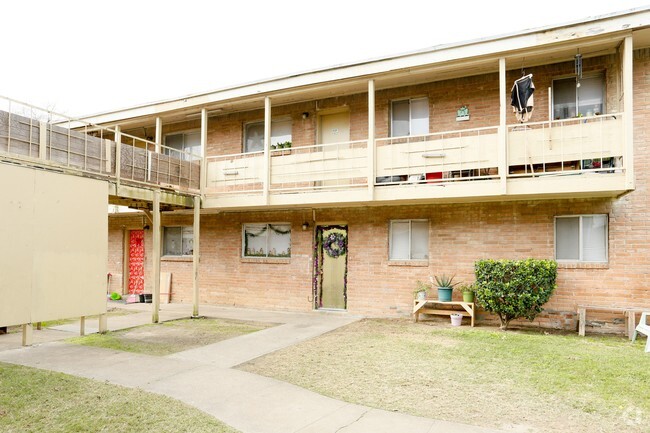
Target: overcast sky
column 84, row 57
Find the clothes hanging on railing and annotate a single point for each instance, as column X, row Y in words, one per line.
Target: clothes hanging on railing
column 522, row 98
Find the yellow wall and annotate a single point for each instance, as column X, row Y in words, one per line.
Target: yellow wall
column 53, row 246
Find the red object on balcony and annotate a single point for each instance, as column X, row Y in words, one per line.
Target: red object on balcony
column 433, row 176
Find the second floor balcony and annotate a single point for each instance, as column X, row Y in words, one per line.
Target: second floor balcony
column 576, row 157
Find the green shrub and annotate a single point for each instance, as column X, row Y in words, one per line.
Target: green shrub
column 513, row 289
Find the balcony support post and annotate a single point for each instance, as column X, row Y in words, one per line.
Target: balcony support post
column 155, row 302
column 118, row 156
column 158, row 134
column 195, row 256
column 628, row 110
column 204, row 143
column 503, row 129
column 266, row 180
column 371, row 140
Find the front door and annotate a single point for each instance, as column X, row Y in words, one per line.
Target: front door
column 331, row 267
column 334, row 128
column 136, row 262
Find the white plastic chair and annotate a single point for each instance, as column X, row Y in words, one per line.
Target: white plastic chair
column 644, row 329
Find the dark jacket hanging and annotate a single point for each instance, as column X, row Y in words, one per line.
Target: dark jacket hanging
column 521, row 98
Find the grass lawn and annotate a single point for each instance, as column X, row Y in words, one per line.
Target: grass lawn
column 172, row 336
column 34, row 401
column 524, row 381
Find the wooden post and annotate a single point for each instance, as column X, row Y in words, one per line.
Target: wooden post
column 582, row 318
column 503, row 128
column 195, row 256
column 28, row 334
column 204, row 143
column 118, row 155
column 630, row 322
column 371, row 139
column 156, row 257
column 103, row 323
column 267, row 146
column 628, row 113
column 39, row 326
column 158, row 134
column 82, row 326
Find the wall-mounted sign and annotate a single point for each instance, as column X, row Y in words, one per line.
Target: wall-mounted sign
column 462, row 114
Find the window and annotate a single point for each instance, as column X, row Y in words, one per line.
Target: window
column 581, row 238
column 266, row 240
column 409, row 117
column 254, row 134
column 569, row 100
column 185, row 142
column 178, row 241
column 409, row 240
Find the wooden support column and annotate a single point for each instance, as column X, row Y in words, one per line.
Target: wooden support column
column 82, row 326
column 158, row 134
column 503, row 129
column 266, row 180
column 156, row 258
column 204, row 144
column 628, row 113
column 118, row 155
column 28, row 334
column 42, row 140
column 371, row 139
column 195, row 256
column 103, row 323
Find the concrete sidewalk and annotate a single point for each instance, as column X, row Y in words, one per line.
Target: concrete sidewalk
column 204, row 378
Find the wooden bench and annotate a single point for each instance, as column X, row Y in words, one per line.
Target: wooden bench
column 628, row 312
column 432, row 306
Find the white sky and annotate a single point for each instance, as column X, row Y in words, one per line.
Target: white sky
column 84, row 57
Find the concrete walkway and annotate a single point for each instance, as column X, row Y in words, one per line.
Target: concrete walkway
column 203, row 377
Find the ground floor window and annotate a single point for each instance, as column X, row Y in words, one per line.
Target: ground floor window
column 178, row 241
column 408, row 240
column 266, row 240
column 581, row 238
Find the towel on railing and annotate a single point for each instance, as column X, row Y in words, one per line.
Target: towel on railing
column 522, row 98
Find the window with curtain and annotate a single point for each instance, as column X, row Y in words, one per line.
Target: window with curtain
column 254, row 134
column 570, row 101
column 581, row 238
column 266, row 240
column 408, row 240
column 186, row 142
column 178, row 241
column 409, row 117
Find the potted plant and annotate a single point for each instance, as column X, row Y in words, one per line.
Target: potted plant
column 445, row 286
column 468, row 292
column 456, row 319
column 420, row 292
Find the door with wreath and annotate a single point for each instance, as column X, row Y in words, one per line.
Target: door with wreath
column 331, row 267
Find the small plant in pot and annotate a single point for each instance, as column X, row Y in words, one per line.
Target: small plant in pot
column 445, row 286
column 468, row 291
column 421, row 289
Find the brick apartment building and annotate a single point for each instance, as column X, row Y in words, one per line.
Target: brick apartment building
column 339, row 188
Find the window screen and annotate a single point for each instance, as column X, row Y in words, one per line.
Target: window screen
column 409, row 240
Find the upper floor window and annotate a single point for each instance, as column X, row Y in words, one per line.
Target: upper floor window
column 409, row 117
column 266, row 240
column 254, row 134
column 185, row 142
column 581, row 238
column 178, row 241
column 570, row 101
column 409, row 240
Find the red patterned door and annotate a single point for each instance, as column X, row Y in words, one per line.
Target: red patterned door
column 136, row 262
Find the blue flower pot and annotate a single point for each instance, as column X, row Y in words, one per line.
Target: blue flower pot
column 444, row 294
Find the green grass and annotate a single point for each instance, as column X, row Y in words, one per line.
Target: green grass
column 170, row 337
column 35, row 401
column 482, row 376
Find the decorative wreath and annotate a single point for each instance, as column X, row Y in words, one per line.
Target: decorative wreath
column 335, row 244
